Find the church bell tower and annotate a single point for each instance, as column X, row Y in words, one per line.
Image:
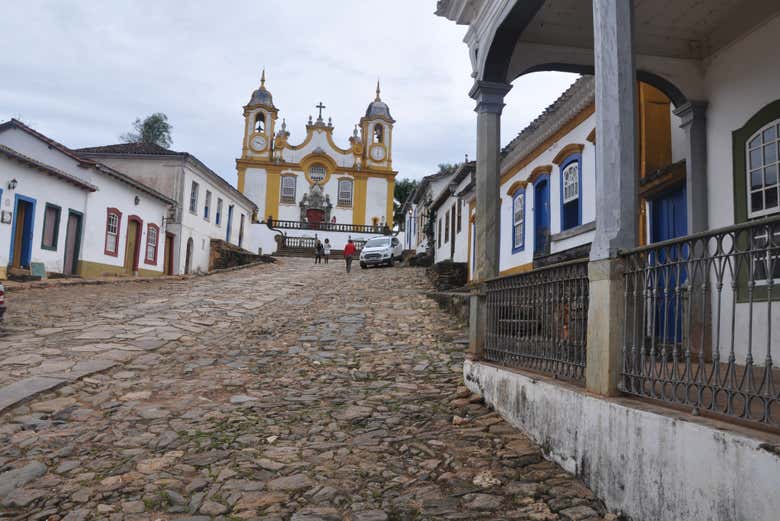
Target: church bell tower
column 259, row 121
column 377, row 130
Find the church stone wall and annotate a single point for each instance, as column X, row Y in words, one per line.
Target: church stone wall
column 376, row 199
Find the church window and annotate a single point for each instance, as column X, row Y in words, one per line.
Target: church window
column 194, row 198
column 260, row 122
column 207, row 206
column 288, row 189
column 379, row 133
column 518, row 222
column 113, row 222
column 152, row 234
column 51, row 225
column 218, row 216
column 571, row 208
column 317, row 173
column 763, row 181
column 345, row 192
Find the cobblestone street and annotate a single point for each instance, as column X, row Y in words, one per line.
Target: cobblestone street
column 286, row 391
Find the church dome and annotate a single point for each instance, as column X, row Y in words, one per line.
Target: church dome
column 262, row 96
column 378, row 107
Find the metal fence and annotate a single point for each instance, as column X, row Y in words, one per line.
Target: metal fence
column 539, row 320
column 309, row 242
column 699, row 322
column 330, row 227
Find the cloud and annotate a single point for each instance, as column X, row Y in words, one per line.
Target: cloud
column 81, row 72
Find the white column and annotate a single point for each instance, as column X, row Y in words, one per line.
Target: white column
column 694, row 122
column 616, row 198
column 490, row 103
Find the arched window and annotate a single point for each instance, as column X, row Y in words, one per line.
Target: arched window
column 379, row 133
column 571, row 205
column 518, row 221
column 763, row 181
column 317, row 173
column 260, row 122
column 288, row 189
column 345, row 192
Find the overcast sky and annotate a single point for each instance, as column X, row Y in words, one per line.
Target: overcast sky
column 81, row 72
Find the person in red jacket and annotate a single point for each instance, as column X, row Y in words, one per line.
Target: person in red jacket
column 349, row 251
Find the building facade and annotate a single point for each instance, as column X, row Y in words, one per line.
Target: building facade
column 69, row 215
column 305, row 189
column 207, row 206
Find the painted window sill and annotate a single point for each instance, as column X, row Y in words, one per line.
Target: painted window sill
column 573, row 232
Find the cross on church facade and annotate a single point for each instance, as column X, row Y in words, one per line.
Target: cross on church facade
column 320, row 106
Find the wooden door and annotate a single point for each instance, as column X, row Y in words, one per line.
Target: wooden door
column 168, row 254
column 72, row 242
column 453, row 232
column 131, row 247
column 542, row 218
column 188, row 257
column 21, row 247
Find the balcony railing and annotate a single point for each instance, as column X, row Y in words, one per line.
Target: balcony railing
column 699, row 322
column 330, row 227
column 309, row 242
column 538, row 320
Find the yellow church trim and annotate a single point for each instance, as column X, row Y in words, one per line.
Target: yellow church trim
column 241, row 179
column 273, row 186
column 268, row 165
column 359, row 199
column 318, row 159
column 390, row 198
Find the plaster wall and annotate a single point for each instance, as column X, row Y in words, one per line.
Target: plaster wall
column 577, row 135
column 320, row 140
column 44, row 189
column 649, row 463
column 158, row 174
column 376, row 199
column 255, row 185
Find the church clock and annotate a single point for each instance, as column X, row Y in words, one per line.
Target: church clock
column 258, row 142
column 377, row 152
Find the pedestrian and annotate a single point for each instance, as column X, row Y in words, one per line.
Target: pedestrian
column 326, row 250
column 349, row 251
column 318, row 252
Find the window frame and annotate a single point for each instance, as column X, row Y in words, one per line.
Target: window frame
column 118, row 234
column 282, row 198
column 565, row 164
column 194, row 196
column 518, row 195
column 207, row 206
column 156, row 246
column 749, row 171
column 57, row 221
column 218, row 214
column 339, row 200
column 324, row 172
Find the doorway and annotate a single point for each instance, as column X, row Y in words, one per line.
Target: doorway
column 134, row 224
column 542, row 217
column 453, row 232
column 229, row 222
column 72, row 242
column 168, row 254
column 22, row 232
column 188, row 257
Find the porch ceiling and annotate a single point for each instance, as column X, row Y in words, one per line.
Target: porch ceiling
column 688, row 29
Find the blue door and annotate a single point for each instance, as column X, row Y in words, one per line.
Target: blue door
column 22, row 232
column 669, row 220
column 229, row 222
column 542, row 217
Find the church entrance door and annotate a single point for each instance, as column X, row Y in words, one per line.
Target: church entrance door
column 314, row 217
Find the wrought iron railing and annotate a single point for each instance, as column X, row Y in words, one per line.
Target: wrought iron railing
column 700, row 316
column 538, row 320
column 309, row 242
column 331, row 227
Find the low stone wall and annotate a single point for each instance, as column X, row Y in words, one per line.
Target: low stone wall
column 447, row 275
column 454, row 303
column 646, row 461
column 225, row 255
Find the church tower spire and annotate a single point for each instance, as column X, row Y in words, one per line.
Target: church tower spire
column 260, row 115
column 377, row 91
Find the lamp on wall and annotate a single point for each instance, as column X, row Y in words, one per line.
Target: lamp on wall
column 12, row 184
column 137, row 200
column 453, row 186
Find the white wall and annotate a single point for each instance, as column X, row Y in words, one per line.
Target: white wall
column 578, row 135
column 376, row 199
column 44, row 189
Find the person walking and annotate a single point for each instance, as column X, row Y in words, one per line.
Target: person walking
column 349, row 251
column 318, row 252
column 326, row 250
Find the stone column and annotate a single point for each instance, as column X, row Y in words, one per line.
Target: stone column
column 490, row 103
column 694, row 122
column 616, row 197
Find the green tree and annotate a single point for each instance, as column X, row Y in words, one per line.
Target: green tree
column 153, row 129
column 404, row 188
column 447, row 168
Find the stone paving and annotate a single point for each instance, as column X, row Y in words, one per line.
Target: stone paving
column 286, row 391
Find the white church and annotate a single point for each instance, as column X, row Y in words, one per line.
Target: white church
column 316, row 189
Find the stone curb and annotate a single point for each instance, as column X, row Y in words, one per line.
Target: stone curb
column 58, row 283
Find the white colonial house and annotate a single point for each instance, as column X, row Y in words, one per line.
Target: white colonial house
column 419, row 211
column 637, row 251
column 316, row 188
column 451, row 232
column 207, row 206
column 64, row 214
